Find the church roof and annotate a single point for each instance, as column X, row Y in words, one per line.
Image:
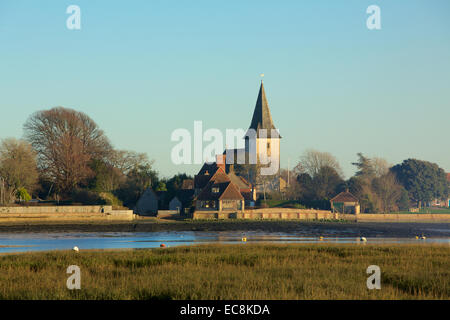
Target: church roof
column 262, row 119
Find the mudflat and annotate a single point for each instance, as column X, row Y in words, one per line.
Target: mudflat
column 307, row 228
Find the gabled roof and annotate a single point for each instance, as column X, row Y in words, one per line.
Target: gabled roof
column 231, row 193
column 240, row 182
column 175, row 199
column 226, row 190
column 149, row 191
column 205, row 175
column 262, row 119
column 345, row 196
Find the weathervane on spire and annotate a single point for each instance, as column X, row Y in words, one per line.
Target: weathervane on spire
column 262, row 76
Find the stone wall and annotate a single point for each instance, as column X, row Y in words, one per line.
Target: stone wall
column 269, row 213
column 309, row 214
column 407, row 217
column 34, row 213
column 55, row 209
column 167, row 213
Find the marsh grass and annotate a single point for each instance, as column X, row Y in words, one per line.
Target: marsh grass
column 244, row 271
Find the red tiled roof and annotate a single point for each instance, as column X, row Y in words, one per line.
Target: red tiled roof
column 231, row 193
column 227, row 190
column 240, row 182
column 345, row 197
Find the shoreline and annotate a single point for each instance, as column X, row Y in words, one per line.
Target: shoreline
column 312, row 228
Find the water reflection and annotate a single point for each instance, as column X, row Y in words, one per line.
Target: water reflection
column 122, row 240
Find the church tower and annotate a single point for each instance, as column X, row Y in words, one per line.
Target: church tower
column 262, row 139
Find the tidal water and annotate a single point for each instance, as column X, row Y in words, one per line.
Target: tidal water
column 124, row 240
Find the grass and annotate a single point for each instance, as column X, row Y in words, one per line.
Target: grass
column 244, row 271
column 283, row 204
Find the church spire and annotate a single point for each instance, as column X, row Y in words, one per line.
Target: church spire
column 262, row 118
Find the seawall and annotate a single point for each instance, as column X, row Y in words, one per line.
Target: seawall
column 65, row 213
column 309, row 214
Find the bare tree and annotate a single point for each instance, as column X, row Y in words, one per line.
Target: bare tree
column 380, row 166
column 312, row 161
column 125, row 160
column 65, row 141
column 388, row 190
column 17, row 168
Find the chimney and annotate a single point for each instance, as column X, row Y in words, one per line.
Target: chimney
column 220, row 161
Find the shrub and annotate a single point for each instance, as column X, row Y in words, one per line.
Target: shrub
column 22, row 194
column 110, row 199
column 87, row 197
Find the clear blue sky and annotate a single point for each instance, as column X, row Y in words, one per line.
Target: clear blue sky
column 141, row 69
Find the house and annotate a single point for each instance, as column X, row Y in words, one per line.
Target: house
column 206, row 173
column 217, row 186
column 345, row 202
column 175, row 204
column 220, row 194
column 147, row 203
column 187, row 184
column 244, row 187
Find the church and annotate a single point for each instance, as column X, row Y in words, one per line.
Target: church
column 239, row 175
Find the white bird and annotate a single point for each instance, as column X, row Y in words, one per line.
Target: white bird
column 76, row 249
column 363, row 239
column 423, row 237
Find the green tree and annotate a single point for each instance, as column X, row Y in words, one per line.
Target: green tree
column 423, row 180
column 403, row 202
column 18, row 168
column 106, row 177
column 137, row 181
column 161, row 186
column 326, row 183
column 23, row 195
column 362, row 189
column 364, row 166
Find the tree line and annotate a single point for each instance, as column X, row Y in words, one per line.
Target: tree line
column 379, row 186
column 66, row 157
